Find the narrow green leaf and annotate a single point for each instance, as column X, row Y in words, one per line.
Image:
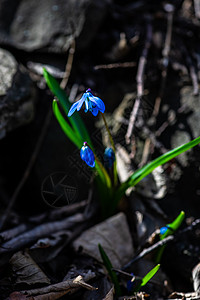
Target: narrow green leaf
column 108, row 265
column 174, row 225
column 147, row 277
column 172, row 228
column 146, row 170
column 65, row 126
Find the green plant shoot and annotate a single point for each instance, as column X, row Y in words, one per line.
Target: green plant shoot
column 169, row 230
column 109, row 267
column 147, row 277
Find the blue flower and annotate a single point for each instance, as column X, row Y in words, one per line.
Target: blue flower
column 166, row 228
column 109, row 157
column 92, row 103
column 163, row 230
column 87, row 155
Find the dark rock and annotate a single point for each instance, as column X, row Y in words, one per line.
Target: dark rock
column 17, row 94
column 50, row 25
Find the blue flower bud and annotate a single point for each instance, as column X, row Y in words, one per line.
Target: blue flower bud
column 163, row 230
column 109, row 157
column 87, row 155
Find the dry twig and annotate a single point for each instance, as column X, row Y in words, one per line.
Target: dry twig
column 163, row 242
column 140, row 80
column 40, row 231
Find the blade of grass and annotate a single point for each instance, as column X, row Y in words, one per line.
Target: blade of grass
column 65, row 126
column 146, row 170
column 172, row 227
column 147, row 277
column 108, row 265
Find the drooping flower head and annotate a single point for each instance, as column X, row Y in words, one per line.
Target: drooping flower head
column 87, row 155
column 109, row 157
column 92, row 103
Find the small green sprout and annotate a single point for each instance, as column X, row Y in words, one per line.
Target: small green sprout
column 142, row 281
column 147, row 277
column 109, row 267
column 167, row 230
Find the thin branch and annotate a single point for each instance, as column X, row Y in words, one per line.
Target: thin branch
column 165, row 61
column 116, row 65
column 163, row 242
column 44, row 230
column 68, row 68
column 140, row 80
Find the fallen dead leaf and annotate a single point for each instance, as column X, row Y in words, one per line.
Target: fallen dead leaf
column 114, row 236
column 26, row 269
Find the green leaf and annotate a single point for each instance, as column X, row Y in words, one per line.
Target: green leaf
column 146, row 170
column 109, row 267
column 172, row 228
column 65, row 126
column 174, row 225
column 147, row 277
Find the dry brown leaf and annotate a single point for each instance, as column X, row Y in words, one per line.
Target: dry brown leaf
column 26, row 269
column 114, row 236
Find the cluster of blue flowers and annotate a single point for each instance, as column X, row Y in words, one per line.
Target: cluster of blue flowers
column 94, row 105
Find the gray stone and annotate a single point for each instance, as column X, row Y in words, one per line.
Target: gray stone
column 17, row 94
column 50, row 24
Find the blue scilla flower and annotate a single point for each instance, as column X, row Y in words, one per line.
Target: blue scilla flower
column 109, row 157
column 87, row 155
column 163, row 230
column 92, row 103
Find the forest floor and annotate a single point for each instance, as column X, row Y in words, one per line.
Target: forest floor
column 143, row 60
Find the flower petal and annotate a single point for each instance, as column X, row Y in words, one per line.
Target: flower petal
column 95, row 111
column 99, row 103
column 73, row 108
column 81, row 101
column 86, row 105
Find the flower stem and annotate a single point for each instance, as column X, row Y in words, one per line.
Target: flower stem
column 101, row 167
column 114, row 149
column 109, row 133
